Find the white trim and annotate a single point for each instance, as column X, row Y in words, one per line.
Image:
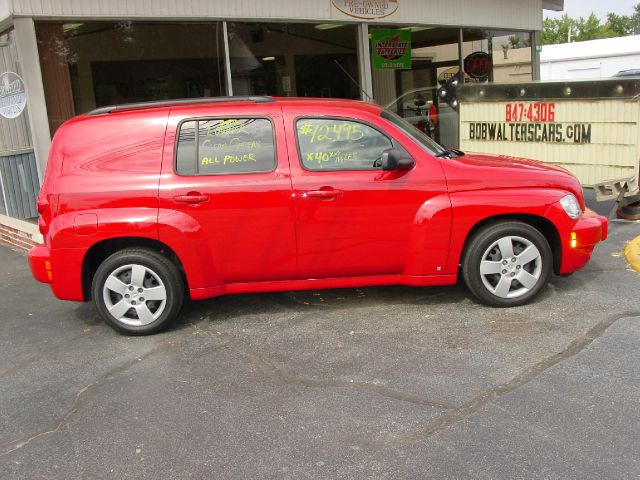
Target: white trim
column 4, row 195
column 589, row 57
column 227, row 59
column 500, row 14
column 17, row 151
column 364, row 63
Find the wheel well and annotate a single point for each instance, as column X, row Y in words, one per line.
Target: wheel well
column 101, row 250
column 544, row 226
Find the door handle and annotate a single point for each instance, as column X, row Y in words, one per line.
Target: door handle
column 191, row 198
column 328, row 193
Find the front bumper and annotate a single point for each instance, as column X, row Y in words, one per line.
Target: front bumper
column 579, row 240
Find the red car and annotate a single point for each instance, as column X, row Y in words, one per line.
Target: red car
column 143, row 204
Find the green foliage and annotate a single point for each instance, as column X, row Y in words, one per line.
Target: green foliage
column 566, row 29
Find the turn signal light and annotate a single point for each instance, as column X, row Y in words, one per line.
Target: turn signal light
column 574, row 240
column 47, row 267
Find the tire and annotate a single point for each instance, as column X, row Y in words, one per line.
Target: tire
column 136, row 273
column 629, row 212
column 529, row 260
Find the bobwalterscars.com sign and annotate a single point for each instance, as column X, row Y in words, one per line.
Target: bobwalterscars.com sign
column 366, row 9
column 533, row 122
column 391, row 48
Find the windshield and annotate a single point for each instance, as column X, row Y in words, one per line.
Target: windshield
column 420, row 137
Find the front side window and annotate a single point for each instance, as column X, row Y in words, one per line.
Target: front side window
column 333, row 144
column 219, row 146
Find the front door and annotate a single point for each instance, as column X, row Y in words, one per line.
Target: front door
column 352, row 218
column 226, row 181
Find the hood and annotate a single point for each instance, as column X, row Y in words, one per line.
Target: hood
column 478, row 171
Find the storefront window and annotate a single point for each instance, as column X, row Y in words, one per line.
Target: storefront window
column 93, row 64
column 412, row 92
column 294, row 59
column 510, row 52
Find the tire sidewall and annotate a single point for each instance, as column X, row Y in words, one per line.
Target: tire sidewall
column 482, row 241
column 161, row 267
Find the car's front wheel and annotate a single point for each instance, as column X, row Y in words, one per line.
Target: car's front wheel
column 507, row 264
column 137, row 291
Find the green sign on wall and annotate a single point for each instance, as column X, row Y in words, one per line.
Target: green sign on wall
column 391, row 48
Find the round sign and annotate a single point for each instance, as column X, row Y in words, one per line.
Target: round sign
column 13, row 98
column 366, row 9
column 478, row 65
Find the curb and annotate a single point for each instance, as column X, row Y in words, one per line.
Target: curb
column 632, row 253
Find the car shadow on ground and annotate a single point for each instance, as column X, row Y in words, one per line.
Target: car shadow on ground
column 233, row 307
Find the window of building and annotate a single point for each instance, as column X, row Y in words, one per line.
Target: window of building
column 294, row 59
column 333, row 144
column 222, row 146
column 510, row 52
column 412, row 92
column 93, row 64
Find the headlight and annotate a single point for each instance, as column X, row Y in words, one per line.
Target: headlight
column 571, row 206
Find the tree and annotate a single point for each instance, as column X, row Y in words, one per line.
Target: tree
column 566, row 29
column 556, row 30
column 591, row 29
column 620, row 25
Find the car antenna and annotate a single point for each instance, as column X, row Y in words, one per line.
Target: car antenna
column 352, row 79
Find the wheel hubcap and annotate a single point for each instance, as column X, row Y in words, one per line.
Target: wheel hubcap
column 134, row 295
column 511, row 267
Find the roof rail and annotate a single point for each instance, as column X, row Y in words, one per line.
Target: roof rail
column 179, row 101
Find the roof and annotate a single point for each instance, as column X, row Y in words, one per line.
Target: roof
column 226, row 101
column 606, row 47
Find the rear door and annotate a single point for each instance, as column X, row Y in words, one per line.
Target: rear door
column 226, row 189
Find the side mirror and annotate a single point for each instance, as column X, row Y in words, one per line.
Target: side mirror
column 396, row 159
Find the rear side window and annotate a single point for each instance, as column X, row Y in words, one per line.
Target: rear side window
column 334, row 144
column 219, row 146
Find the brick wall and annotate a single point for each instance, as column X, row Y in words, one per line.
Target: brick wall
column 15, row 238
column 18, row 234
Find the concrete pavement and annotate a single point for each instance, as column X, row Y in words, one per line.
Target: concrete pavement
column 389, row 382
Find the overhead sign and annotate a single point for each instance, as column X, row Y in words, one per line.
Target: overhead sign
column 366, row 9
column 13, row 97
column 391, row 48
column 478, row 65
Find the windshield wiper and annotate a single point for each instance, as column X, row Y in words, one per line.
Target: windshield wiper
column 450, row 153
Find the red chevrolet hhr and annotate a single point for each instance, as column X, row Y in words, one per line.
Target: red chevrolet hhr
column 143, row 204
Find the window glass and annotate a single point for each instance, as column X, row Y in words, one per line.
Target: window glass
column 330, row 144
column 88, row 64
column 412, row 92
column 418, row 135
column 221, row 146
column 294, row 59
column 510, row 52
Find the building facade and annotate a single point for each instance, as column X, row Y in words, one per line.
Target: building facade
column 591, row 59
column 65, row 57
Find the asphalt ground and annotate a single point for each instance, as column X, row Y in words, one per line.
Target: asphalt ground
column 386, row 382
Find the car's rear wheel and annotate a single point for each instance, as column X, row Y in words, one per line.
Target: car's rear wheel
column 507, row 264
column 137, row 291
